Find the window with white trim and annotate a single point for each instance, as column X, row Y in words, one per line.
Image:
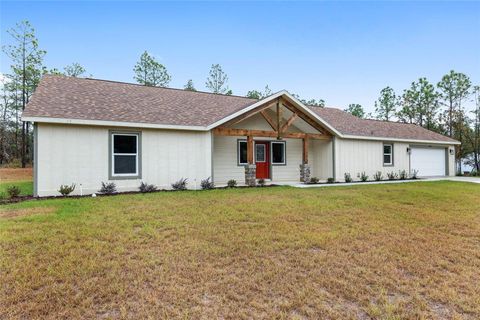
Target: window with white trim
column 125, row 154
column 278, row 152
column 242, row 152
column 388, row 154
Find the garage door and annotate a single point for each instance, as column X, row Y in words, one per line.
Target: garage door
column 428, row 161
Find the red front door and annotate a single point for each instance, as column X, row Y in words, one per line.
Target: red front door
column 262, row 159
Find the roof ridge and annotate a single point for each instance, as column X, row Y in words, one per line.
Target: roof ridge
column 141, row 85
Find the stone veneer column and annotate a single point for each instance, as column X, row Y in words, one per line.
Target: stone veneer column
column 305, row 172
column 250, row 175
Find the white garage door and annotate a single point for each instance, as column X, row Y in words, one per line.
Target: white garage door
column 428, row 161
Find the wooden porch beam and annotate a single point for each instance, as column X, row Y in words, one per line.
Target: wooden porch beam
column 279, row 119
column 222, row 131
column 248, row 114
column 304, row 117
column 269, row 119
column 289, row 122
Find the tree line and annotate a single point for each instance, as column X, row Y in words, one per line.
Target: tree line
column 439, row 108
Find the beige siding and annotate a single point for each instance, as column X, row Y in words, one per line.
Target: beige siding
column 451, row 162
column 79, row 154
column 321, row 159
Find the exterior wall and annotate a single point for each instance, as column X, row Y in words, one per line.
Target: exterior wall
column 225, row 162
column 356, row 156
column 321, row 159
column 69, row 154
column 451, row 162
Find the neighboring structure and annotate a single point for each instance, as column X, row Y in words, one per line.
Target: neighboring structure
column 88, row 131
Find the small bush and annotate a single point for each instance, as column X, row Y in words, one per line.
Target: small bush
column 314, row 180
column 206, row 184
column 145, row 187
column 362, row 176
column 414, row 174
column 261, row 182
column 378, row 176
column 403, row 175
column 232, row 183
column 65, row 190
column 330, row 180
column 3, row 196
column 348, row 177
column 180, row 184
column 392, row 175
column 13, row 191
column 108, row 188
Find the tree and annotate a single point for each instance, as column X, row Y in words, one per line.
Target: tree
column 454, row 88
column 386, row 104
column 217, row 80
column 189, row 86
column 150, row 72
column 474, row 137
column 74, row 70
column 27, row 60
column 255, row 94
column 311, row 102
column 356, row 110
column 428, row 104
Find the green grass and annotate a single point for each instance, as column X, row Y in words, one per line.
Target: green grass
column 26, row 187
column 397, row 251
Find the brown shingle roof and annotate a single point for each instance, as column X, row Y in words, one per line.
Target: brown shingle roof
column 348, row 124
column 92, row 99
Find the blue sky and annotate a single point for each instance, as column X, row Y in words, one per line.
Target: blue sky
column 343, row 52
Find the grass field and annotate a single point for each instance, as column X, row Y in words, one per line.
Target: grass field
column 18, row 177
column 403, row 251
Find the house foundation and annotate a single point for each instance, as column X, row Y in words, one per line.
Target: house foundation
column 250, row 175
column 305, row 172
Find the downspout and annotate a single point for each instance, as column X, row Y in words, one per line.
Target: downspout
column 334, row 164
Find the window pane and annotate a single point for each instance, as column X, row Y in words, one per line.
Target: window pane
column 125, row 164
column 278, row 153
column 260, row 153
column 124, row 144
column 243, row 152
column 387, row 158
column 387, row 149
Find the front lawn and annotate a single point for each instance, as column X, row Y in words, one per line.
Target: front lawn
column 19, row 177
column 396, row 251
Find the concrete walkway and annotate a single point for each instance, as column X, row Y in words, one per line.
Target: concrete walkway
column 459, row 179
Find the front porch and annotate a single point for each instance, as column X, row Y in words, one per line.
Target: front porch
column 278, row 142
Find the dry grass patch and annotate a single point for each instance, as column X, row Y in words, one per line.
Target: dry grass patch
column 15, row 174
column 22, row 212
column 405, row 251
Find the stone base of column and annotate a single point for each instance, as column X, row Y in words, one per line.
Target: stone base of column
column 305, row 173
column 250, row 175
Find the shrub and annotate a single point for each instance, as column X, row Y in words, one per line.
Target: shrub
column 232, row 183
column 362, row 176
column 3, row 196
column 13, row 191
column 108, row 188
column 180, row 184
column 145, row 187
column 403, row 175
column 261, row 182
column 314, row 180
column 378, row 176
column 65, row 190
column 392, row 175
column 330, row 180
column 348, row 177
column 207, row 184
column 414, row 174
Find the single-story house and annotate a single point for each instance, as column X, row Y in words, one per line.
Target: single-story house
column 88, row 131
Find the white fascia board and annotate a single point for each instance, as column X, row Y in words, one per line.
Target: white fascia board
column 113, row 123
column 400, row 140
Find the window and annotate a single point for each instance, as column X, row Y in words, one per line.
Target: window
column 242, row 152
column 278, row 152
column 260, row 153
column 124, row 150
column 388, row 154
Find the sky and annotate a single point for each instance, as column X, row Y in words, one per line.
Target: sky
column 342, row 52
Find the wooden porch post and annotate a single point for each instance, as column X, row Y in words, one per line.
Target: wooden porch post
column 250, row 149
column 305, row 150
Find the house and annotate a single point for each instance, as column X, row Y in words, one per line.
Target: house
column 88, row 131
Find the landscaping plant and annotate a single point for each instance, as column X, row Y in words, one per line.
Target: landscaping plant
column 13, row 191
column 232, row 183
column 403, row 175
column 314, row 180
column 362, row 176
column 145, row 187
column 65, row 190
column 330, row 180
column 206, row 184
column 414, row 174
column 180, row 184
column 348, row 177
column 108, row 188
column 378, row 176
column 261, row 182
column 392, row 175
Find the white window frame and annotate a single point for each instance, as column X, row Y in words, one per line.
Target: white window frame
column 387, row 164
column 284, row 153
column 264, row 152
column 239, row 142
column 113, row 154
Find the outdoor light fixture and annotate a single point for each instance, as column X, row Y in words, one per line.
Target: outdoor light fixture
column 452, row 151
column 408, row 150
